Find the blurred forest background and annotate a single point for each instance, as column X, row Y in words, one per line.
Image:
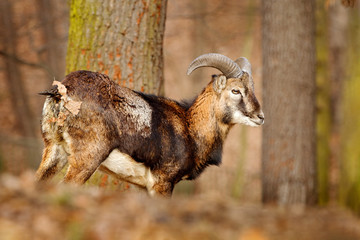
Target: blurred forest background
column 33, row 49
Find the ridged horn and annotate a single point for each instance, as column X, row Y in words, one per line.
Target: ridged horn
column 244, row 64
column 226, row 65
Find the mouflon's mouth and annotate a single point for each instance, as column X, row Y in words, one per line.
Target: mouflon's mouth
column 259, row 120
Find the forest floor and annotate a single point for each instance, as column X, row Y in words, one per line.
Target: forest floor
column 57, row 211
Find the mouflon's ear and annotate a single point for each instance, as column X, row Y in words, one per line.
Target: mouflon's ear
column 219, row 83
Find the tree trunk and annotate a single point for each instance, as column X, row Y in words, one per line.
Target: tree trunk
column 323, row 117
column 288, row 157
column 19, row 97
column 122, row 39
column 53, row 48
column 338, row 40
column 349, row 191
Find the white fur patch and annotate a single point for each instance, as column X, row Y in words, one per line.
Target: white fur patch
column 126, row 168
column 239, row 117
column 45, row 126
column 45, row 107
column 140, row 113
column 67, row 142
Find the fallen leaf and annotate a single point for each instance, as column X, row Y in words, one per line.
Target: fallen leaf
column 72, row 106
column 61, row 88
column 69, row 104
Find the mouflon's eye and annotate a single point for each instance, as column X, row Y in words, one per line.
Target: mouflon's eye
column 235, row 91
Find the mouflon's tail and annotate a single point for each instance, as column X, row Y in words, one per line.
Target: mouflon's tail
column 53, row 93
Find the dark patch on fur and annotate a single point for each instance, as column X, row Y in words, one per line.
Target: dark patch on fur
column 166, row 145
column 215, row 156
column 227, row 117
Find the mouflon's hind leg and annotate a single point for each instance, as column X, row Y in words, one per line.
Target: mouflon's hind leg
column 79, row 175
column 83, row 163
column 54, row 158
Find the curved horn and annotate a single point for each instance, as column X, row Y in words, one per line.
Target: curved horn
column 227, row 66
column 244, row 64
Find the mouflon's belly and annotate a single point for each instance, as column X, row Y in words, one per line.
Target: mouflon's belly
column 124, row 167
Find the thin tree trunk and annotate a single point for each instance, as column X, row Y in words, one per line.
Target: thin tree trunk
column 18, row 94
column 349, row 191
column 122, row 39
column 338, row 40
column 288, row 157
column 50, row 36
column 323, row 117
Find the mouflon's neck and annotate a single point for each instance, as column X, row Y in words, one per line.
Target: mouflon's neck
column 207, row 129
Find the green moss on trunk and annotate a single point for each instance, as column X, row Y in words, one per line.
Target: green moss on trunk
column 81, row 33
column 122, row 39
column 350, row 134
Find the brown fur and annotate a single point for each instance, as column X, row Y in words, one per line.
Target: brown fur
column 166, row 141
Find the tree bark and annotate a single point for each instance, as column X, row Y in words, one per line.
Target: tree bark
column 122, row 39
column 288, row 156
column 349, row 186
column 52, row 46
column 19, row 97
column 338, row 40
column 13, row 75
